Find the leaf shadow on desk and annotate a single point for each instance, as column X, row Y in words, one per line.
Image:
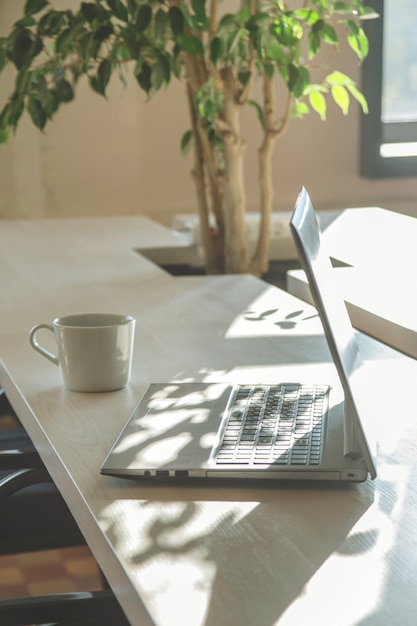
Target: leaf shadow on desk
column 392, row 592
column 263, row 541
column 288, row 321
column 262, row 544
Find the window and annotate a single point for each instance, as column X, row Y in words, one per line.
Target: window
column 389, row 83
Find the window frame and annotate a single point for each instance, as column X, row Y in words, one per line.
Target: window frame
column 374, row 132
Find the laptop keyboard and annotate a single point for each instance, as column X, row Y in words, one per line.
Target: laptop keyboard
column 275, row 424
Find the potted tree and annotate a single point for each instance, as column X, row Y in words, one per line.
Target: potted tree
column 261, row 53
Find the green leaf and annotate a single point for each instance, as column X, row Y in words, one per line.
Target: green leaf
column 259, row 112
column 24, row 22
column 88, row 9
column 227, row 20
column 209, row 102
column 4, row 135
column 144, row 17
column 199, row 8
column 359, row 97
column 65, row 42
column 307, row 15
column 51, row 23
column 177, row 20
column 275, row 52
column 314, row 42
column 64, row 91
column 298, row 80
column 20, row 50
column 34, row 6
column 144, row 77
column 318, row 103
column 160, row 74
column 120, row 52
column 103, row 75
column 176, row 66
column 94, row 84
column 132, row 8
column 208, row 111
column 3, row 60
column 23, row 79
column 161, row 23
column 37, row 113
column 89, row 47
column 103, row 32
column 321, row 4
column 329, row 35
column 52, row 103
column 300, row 109
column 318, row 26
column 359, row 44
column 118, row 9
column 186, row 142
column 338, row 78
column 341, row 97
column 132, row 41
column 342, row 7
column 13, row 111
column 190, row 44
column 37, row 47
column 92, row 11
column 216, row 48
column 244, row 77
column 39, row 83
column 3, row 57
column 233, row 40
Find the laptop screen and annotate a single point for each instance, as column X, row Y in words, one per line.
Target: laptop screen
column 338, row 329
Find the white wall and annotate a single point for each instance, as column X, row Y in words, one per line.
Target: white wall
column 121, row 156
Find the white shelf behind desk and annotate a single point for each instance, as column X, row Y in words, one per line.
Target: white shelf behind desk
column 379, row 247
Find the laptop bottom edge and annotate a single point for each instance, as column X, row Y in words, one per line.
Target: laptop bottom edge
column 346, row 475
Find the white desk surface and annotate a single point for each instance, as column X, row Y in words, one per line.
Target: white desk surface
column 207, row 555
column 378, row 283
column 372, row 237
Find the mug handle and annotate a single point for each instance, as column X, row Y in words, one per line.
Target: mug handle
column 34, row 343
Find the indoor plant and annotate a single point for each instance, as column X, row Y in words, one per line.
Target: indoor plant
column 221, row 52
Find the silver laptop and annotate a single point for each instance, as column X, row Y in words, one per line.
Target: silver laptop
column 282, row 431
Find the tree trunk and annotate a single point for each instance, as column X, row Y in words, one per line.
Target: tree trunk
column 236, row 246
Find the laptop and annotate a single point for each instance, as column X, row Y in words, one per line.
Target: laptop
column 283, row 431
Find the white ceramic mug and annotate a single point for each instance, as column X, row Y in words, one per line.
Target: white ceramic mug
column 94, row 350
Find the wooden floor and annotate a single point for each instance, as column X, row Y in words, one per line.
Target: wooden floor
column 52, row 571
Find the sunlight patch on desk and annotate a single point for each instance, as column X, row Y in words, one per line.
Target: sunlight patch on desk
column 184, row 583
column 161, row 453
column 264, row 317
column 163, row 417
column 172, row 555
column 357, row 575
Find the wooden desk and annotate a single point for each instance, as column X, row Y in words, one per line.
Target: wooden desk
column 206, row 555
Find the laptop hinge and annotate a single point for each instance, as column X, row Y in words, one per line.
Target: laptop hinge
column 351, row 447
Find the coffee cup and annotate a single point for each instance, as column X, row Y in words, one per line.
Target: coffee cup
column 94, row 350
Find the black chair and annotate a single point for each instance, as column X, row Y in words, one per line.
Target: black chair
column 33, row 516
column 50, row 524
column 96, row 608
